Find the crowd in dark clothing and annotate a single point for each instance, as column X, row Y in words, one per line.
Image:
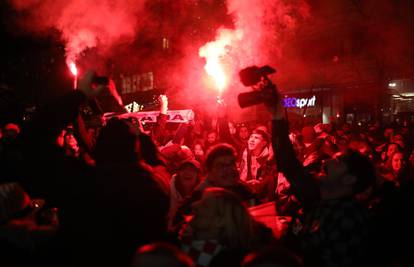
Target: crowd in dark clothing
column 127, row 195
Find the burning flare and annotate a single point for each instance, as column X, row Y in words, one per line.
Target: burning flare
column 215, row 52
column 74, row 70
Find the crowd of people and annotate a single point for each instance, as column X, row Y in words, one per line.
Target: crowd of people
column 124, row 194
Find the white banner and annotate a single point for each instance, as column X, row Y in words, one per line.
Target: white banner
column 176, row 116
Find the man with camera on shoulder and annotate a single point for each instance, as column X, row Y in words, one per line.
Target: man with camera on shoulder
column 332, row 231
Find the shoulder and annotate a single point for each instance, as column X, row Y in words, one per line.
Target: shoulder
column 202, row 251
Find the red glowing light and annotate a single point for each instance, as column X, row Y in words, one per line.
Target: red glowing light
column 73, row 68
column 215, row 69
column 214, row 53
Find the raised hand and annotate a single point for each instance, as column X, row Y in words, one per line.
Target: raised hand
column 114, row 92
column 221, row 108
column 273, row 101
column 164, row 104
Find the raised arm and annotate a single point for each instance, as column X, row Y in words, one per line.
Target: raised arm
column 158, row 132
column 302, row 183
column 223, row 125
column 52, row 118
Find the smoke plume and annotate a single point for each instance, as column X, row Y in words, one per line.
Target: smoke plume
column 265, row 25
column 258, row 33
column 258, row 37
column 82, row 24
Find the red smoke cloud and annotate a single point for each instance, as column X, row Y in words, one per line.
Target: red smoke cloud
column 265, row 25
column 83, row 24
column 261, row 31
column 260, row 34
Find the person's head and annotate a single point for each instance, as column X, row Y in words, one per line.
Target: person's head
column 365, row 149
column 175, row 154
column 188, row 176
column 117, row 143
column 243, row 133
column 221, row 165
column 308, row 134
column 258, row 141
column 329, row 127
column 342, row 144
column 340, row 133
column 362, row 147
column 261, row 127
column 221, row 215
column 198, row 149
column 11, row 130
column 149, row 151
column 232, row 128
column 399, row 140
column 388, row 133
column 348, row 173
column 319, row 128
column 60, row 140
column 396, row 162
column 161, row 255
column 391, row 149
column 272, row 257
column 69, row 141
column 211, row 137
column 328, row 148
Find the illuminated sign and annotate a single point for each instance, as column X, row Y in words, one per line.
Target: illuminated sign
column 293, row 102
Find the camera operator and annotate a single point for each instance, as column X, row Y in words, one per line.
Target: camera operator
column 333, row 228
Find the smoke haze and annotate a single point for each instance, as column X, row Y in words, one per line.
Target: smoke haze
column 83, row 24
column 309, row 42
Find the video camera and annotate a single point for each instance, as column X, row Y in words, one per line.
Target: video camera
column 100, row 80
column 254, row 75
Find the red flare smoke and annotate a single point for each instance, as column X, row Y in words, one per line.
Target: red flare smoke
column 216, row 55
column 83, row 24
column 256, row 39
